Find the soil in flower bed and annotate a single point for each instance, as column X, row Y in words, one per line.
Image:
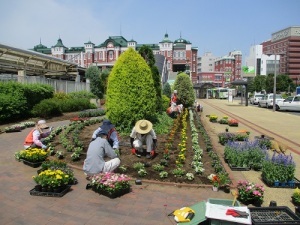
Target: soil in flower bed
column 127, row 159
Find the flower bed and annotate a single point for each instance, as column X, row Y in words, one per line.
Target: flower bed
column 111, row 185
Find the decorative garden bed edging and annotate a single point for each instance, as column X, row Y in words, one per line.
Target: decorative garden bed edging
column 37, row 192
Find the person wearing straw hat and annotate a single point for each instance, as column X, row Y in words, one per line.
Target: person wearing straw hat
column 97, row 151
column 143, row 133
column 35, row 137
column 112, row 134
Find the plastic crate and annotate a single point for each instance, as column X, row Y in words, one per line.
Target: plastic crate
column 273, row 216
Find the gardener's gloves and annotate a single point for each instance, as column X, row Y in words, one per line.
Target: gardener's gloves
column 133, row 151
column 44, row 147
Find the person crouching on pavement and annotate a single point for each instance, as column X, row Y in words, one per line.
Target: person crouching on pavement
column 112, row 134
column 142, row 133
column 99, row 149
column 35, row 137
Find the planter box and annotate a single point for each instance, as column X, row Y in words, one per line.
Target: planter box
column 32, row 164
column 273, row 215
column 50, row 194
column 236, row 168
column 111, row 195
column 291, row 184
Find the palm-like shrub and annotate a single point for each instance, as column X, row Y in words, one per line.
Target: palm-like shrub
column 131, row 94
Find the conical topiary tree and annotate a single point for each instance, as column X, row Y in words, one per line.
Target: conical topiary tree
column 185, row 90
column 130, row 91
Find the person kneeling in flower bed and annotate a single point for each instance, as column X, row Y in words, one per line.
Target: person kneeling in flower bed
column 110, row 184
column 250, row 193
column 97, row 151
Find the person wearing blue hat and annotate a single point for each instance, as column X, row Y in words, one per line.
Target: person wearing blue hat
column 98, row 150
column 112, row 134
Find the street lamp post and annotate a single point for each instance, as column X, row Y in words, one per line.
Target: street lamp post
column 274, row 87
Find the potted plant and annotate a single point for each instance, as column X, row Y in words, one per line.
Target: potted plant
column 296, row 197
column 52, row 180
column 233, row 123
column 32, row 156
column 110, row 184
column 250, row 193
column 279, row 170
column 213, row 118
column 215, row 180
column 224, row 181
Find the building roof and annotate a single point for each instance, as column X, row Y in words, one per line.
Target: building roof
column 151, row 46
column 166, row 39
column 59, row 44
column 116, row 40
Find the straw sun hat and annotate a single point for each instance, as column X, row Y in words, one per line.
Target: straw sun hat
column 143, row 126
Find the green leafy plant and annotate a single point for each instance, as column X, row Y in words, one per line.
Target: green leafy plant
column 189, row 176
column 158, row 167
column 215, row 180
column 138, row 166
column 142, row 172
column 178, row 172
column 163, row 174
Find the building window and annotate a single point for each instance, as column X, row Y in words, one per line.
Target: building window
column 101, row 55
column 194, row 57
column 110, row 55
column 169, row 53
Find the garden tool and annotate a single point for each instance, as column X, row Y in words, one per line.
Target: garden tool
column 235, row 194
column 133, row 151
column 237, row 213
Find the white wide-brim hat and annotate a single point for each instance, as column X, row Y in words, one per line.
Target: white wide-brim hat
column 143, row 126
column 42, row 124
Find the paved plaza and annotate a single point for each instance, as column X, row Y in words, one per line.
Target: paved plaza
column 149, row 203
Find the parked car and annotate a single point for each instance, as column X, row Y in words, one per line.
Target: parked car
column 291, row 103
column 267, row 100
column 255, row 98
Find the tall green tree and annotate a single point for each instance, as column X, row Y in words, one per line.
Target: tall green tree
column 93, row 73
column 259, row 83
column 130, row 91
column 167, row 89
column 284, row 83
column 147, row 53
column 185, row 90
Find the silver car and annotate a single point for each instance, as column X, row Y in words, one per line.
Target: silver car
column 255, row 98
column 291, row 103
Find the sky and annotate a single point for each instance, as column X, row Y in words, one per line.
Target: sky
column 216, row 26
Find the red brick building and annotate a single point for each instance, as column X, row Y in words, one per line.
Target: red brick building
column 179, row 55
column 286, row 43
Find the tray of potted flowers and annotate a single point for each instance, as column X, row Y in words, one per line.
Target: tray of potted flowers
column 51, row 183
column 32, row 156
column 109, row 184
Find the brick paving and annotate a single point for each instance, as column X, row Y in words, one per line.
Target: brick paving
column 149, row 203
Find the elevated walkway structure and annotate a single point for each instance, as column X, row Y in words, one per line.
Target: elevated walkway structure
column 25, row 62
